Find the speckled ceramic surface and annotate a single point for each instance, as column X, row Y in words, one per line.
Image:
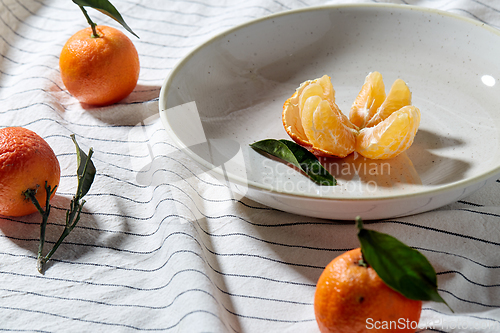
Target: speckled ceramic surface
column 229, row 93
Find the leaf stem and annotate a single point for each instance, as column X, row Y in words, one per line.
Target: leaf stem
column 31, row 194
column 72, row 215
column 359, row 222
column 43, row 260
column 92, row 24
column 85, row 173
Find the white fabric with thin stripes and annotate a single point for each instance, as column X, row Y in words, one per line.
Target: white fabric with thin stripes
column 161, row 245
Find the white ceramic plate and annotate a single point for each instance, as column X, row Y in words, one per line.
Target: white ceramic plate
column 229, row 93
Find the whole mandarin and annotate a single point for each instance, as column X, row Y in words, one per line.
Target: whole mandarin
column 26, row 162
column 99, row 70
column 351, row 297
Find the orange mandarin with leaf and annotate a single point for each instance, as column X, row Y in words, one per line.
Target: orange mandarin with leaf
column 351, row 297
column 377, row 287
column 99, row 70
column 379, row 126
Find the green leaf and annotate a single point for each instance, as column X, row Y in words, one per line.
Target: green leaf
column 402, row 268
column 86, row 170
column 297, row 155
column 105, row 7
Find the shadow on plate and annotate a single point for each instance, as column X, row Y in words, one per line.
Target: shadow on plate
column 385, row 173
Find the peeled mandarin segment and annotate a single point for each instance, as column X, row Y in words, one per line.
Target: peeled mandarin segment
column 321, row 87
column 324, row 127
column 312, row 90
column 328, row 92
column 329, row 95
column 345, row 120
column 391, row 136
column 398, row 97
column 369, row 99
column 307, row 115
column 292, row 122
column 291, row 116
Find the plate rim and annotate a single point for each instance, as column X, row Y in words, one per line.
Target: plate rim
column 435, row 191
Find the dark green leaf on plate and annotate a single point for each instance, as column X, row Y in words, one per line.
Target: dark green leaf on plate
column 297, row 155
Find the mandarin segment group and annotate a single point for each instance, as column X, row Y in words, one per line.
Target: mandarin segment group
column 379, row 126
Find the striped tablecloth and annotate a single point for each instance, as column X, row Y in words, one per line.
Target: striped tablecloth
column 164, row 247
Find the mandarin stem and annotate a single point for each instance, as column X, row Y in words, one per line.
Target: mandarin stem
column 76, row 209
column 359, row 225
column 30, row 193
column 72, row 215
column 92, row 24
column 56, row 245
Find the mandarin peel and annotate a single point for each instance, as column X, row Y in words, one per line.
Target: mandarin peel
column 379, row 126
